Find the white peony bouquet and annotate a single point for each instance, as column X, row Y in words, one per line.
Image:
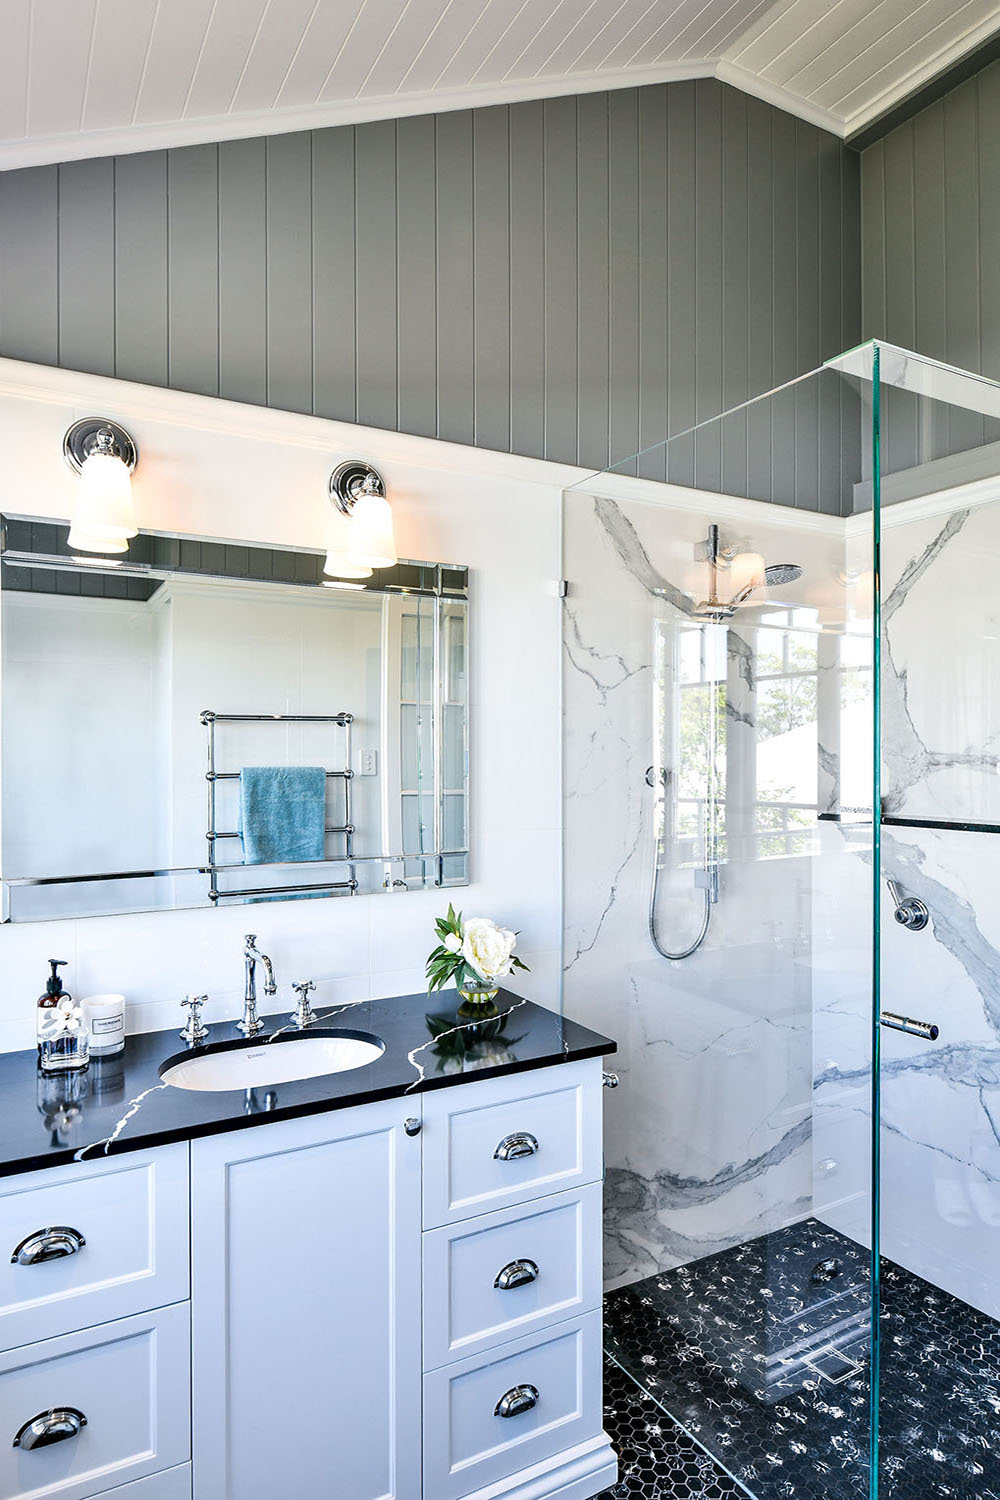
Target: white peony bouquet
column 474, row 952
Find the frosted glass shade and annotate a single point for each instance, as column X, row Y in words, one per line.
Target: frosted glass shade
column 372, row 542
column 340, row 564
column 89, row 541
column 104, row 518
column 745, row 571
column 339, row 561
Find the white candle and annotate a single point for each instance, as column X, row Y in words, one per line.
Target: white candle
column 105, row 1017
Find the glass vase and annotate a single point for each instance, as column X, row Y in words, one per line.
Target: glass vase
column 479, row 1000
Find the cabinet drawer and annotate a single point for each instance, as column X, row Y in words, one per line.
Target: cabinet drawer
column 130, row 1380
column 468, row 1445
column 508, row 1274
column 122, row 1245
column 490, row 1145
column 172, row 1484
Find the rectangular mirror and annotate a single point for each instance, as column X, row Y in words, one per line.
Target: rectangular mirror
column 211, row 723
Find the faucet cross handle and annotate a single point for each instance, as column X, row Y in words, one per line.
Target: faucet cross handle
column 195, row 1031
column 303, row 1014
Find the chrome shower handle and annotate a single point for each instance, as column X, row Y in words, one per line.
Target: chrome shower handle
column 910, row 912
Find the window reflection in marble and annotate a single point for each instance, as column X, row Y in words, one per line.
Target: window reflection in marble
column 744, row 722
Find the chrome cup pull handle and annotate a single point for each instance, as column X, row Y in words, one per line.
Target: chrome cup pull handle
column 53, row 1243
column 520, row 1143
column 516, row 1273
column 520, row 1398
column 53, row 1426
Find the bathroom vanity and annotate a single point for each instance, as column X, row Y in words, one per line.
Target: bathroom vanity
column 379, row 1283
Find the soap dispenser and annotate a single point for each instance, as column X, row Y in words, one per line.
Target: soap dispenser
column 63, row 1038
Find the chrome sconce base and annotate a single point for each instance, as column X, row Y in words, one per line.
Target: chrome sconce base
column 98, row 435
column 352, row 479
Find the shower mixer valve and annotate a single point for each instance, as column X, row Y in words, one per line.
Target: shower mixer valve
column 910, row 912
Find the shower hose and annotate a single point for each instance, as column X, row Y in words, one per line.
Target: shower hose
column 654, row 938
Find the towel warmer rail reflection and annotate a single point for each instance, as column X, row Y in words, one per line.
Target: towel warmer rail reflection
column 209, row 717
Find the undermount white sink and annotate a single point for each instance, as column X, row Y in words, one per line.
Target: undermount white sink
column 257, row 1065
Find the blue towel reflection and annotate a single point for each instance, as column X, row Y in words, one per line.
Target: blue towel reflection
column 282, row 813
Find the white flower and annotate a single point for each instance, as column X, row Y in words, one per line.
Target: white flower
column 453, row 943
column 487, row 948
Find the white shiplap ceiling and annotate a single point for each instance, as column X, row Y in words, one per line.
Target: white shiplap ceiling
column 92, row 77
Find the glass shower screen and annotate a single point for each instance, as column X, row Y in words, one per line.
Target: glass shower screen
column 719, row 838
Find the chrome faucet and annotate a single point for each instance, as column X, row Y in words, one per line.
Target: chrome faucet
column 251, row 1023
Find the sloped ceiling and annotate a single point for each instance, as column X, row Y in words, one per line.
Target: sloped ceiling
column 94, row 77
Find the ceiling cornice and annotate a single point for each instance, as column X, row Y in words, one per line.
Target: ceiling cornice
column 166, row 135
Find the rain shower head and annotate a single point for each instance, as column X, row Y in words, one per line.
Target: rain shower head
column 781, row 573
column 726, row 559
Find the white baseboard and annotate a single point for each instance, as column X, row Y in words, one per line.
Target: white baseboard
column 579, row 1473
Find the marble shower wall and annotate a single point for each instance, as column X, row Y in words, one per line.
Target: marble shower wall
column 940, row 1100
column 940, row 1115
column 708, row 1139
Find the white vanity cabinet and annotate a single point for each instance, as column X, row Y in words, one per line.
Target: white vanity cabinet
column 513, row 1348
column 306, row 1297
column 95, row 1329
column 398, row 1300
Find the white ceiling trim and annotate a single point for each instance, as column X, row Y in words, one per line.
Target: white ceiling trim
column 771, row 93
column 918, row 78
column 163, row 135
column 127, row 139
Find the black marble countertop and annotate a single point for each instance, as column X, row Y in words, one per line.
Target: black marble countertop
column 121, row 1103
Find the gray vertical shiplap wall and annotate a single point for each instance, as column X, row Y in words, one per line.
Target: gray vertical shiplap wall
column 931, row 253
column 570, row 278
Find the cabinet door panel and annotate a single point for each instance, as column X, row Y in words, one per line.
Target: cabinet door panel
column 306, row 1309
column 126, row 1381
column 130, row 1213
column 503, row 1141
column 469, row 1445
column 501, row 1276
column 172, row 1484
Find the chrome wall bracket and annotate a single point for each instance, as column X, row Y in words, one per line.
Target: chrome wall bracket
column 98, row 435
column 352, row 479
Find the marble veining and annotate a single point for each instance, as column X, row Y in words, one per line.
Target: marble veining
column 940, row 722
column 940, row 1102
column 687, row 1174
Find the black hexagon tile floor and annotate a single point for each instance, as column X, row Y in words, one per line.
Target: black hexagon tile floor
column 656, row 1460
column 761, row 1353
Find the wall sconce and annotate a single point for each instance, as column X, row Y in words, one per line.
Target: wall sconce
column 357, row 491
column 104, row 455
